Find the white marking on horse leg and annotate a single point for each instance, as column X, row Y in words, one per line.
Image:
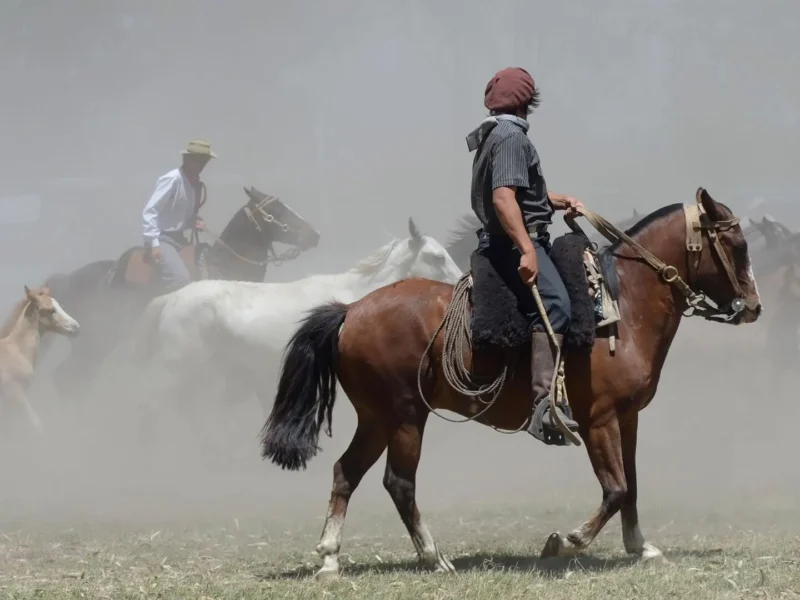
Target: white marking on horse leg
column 635, row 543
column 329, row 544
column 429, row 554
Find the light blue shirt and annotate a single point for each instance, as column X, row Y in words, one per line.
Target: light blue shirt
column 171, row 208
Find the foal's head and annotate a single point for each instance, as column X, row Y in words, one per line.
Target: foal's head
column 724, row 272
column 49, row 314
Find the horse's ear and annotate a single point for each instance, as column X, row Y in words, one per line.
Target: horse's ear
column 635, row 213
column 709, row 205
column 28, row 293
column 416, row 234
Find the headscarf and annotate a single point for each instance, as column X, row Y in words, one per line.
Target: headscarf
column 509, row 90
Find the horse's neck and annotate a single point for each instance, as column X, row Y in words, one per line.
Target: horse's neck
column 248, row 246
column 651, row 308
column 26, row 335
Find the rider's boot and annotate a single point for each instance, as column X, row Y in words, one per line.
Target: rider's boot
column 542, row 426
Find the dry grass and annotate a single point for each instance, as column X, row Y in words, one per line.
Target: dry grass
column 494, row 552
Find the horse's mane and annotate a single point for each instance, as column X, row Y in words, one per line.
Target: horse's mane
column 467, row 225
column 646, row 221
column 13, row 317
column 373, row 263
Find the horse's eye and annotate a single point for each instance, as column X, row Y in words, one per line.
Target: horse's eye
column 739, row 252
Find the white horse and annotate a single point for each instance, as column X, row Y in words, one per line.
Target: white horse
column 236, row 330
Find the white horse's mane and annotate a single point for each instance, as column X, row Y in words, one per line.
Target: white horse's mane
column 375, row 261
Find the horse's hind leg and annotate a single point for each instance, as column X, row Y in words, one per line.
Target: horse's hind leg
column 405, row 447
column 603, row 443
column 632, row 537
column 366, row 447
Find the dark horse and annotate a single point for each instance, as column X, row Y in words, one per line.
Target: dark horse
column 375, row 346
column 242, row 252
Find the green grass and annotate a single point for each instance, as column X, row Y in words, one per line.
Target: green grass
column 495, row 553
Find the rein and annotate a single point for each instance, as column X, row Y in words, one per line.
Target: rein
column 274, row 258
column 697, row 221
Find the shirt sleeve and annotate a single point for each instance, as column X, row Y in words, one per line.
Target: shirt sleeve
column 165, row 188
column 510, row 162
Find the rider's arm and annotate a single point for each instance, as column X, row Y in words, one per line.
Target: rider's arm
column 165, row 188
column 510, row 215
column 510, row 162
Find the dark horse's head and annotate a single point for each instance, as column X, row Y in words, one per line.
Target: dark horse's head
column 246, row 246
column 723, row 270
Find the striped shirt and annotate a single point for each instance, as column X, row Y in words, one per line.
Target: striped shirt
column 507, row 157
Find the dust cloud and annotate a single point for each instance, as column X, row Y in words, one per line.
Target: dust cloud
column 354, row 113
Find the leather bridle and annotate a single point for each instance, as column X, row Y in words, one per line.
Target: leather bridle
column 697, row 223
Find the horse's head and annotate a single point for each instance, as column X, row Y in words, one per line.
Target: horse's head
column 278, row 223
column 428, row 258
column 50, row 315
column 723, row 270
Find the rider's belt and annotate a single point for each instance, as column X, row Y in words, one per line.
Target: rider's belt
column 178, row 237
column 537, row 230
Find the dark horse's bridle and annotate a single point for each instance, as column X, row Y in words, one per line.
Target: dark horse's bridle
column 273, row 257
column 697, row 222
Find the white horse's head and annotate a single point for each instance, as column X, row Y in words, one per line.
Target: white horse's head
column 422, row 256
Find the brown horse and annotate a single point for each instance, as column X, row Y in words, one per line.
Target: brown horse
column 37, row 313
column 375, row 346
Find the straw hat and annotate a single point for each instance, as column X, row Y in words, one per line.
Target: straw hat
column 200, row 148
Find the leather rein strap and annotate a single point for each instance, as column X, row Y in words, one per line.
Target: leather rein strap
column 697, row 221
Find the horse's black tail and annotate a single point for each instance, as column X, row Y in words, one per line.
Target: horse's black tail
column 306, row 390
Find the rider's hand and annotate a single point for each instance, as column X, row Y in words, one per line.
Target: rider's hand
column 571, row 205
column 529, row 267
column 199, row 224
column 155, row 254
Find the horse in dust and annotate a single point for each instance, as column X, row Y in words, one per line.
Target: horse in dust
column 33, row 316
column 107, row 295
column 236, row 330
column 386, row 353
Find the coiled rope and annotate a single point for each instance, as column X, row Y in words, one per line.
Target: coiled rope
column 458, row 339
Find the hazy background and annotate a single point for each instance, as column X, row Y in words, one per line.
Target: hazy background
column 354, row 113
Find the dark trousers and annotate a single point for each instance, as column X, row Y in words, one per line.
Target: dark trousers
column 505, row 258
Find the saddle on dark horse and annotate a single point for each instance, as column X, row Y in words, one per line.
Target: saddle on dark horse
column 136, row 267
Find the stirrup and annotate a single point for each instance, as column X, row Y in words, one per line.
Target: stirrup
column 550, row 434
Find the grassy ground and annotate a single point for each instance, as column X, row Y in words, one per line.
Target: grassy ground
column 494, row 552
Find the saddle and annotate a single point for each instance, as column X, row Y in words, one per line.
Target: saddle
column 135, row 267
column 592, row 286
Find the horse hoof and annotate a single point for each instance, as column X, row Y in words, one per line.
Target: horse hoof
column 651, row 554
column 326, row 574
column 443, row 565
column 553, row 547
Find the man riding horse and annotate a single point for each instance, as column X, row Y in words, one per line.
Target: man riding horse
column 512, row 202
column 172, row 211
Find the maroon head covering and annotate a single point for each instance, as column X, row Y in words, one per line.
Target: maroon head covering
column 509, row 90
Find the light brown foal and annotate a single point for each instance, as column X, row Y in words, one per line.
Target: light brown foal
column 37, row 313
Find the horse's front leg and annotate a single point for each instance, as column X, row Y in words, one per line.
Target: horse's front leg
column 603, row 443
column 632, row 537
column 16, row 394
